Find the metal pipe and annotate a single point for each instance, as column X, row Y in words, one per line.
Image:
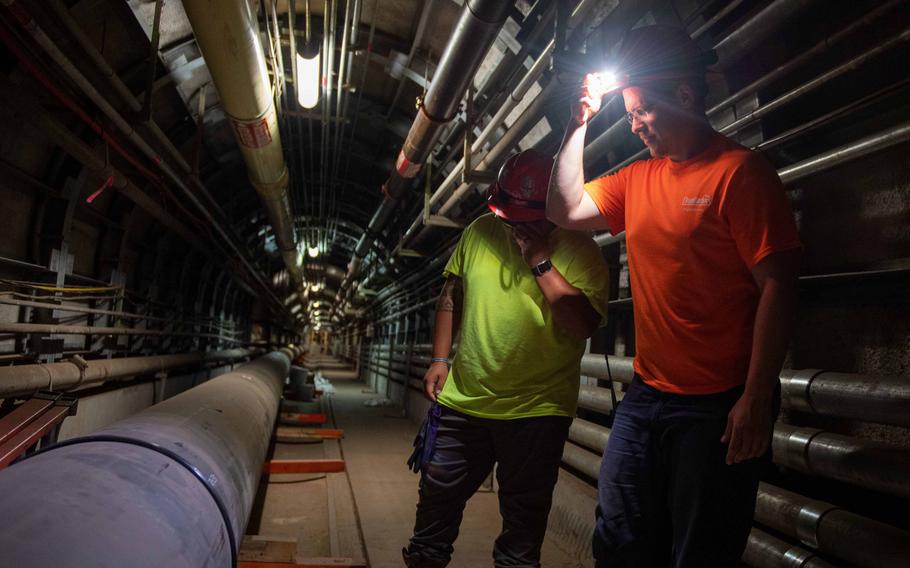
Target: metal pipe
column 590, row 435
column 807, row 87
column 852, row 460
column 425, row 10
column 497, row 86
column 766, row 551
column 515, row 97
column 170, row 486
column 80, row 309
column 871, row 398
column 617, row 19
column 476, row 29
column 859, row 540
column 21, row 380
column 9, row 327
column 751, row 34
column 229, row 40
column 495, row 156
column 344, row 79
column 759, row 552
column 862, row 147
column 821, row 47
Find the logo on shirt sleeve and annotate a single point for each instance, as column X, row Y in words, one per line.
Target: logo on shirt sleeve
column 697, row 203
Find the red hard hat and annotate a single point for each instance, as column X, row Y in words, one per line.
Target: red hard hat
column 520, row 191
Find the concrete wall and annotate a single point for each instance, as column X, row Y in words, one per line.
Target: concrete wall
column 99, row 410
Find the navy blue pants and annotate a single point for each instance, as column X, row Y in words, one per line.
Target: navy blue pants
column 527, row 452
column 666, row 497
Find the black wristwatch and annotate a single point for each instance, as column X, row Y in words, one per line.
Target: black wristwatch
column 541, row 268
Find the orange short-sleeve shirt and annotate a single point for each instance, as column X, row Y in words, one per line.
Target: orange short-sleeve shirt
column 694, row 230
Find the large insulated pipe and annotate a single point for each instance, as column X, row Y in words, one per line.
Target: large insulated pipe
column 227, row 33
column 859, row 540
column 22, row 380
column 170, row 486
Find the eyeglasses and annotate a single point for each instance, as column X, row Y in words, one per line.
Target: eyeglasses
column 641, row 113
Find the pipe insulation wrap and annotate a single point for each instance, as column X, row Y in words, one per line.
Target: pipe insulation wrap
column 170, row 486
column 227, row 33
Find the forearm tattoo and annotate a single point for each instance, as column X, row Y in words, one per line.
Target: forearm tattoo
column 450, row 296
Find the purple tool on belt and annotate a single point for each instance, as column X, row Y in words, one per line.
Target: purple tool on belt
column 425, row 440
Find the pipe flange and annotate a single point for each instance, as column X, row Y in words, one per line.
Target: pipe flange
column 82, row 365
column 796, row 557
column 796, row 453
column 794, row 389
column 276, row 190
column 808, row 521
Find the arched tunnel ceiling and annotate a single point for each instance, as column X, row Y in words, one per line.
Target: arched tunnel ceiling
column 381, row 112
column 380, row 127
column 382, row 108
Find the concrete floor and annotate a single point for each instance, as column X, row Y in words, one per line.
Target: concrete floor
column 376, row 446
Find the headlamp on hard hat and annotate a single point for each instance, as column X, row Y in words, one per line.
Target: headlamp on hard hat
column 605, row 82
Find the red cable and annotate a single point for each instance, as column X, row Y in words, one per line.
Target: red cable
column 10, row 43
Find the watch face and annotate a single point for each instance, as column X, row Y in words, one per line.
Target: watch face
column 542, row 268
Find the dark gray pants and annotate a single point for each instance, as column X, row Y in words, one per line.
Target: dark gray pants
column 527, row 451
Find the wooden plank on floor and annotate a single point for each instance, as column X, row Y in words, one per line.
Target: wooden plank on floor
column 308, row 563
column 259, row 549
column 291, row 433
column 343, row 523
column 273, row 467
column 297, row 418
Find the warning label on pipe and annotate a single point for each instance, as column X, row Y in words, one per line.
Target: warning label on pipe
column 406, row 168
column 254, row 134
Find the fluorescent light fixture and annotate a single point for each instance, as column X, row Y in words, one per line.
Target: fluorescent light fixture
column 308, row 77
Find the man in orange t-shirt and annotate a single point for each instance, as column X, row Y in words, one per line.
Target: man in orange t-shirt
column 714, row 260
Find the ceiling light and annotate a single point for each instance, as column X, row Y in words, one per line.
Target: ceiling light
column 313, row 252
column 308, row 76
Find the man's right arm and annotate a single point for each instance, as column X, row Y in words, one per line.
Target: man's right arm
column 568, row 205
column 445, row 329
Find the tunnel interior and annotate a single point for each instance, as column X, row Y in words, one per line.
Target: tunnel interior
column 182, row 234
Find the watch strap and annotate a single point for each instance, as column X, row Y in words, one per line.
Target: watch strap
column 541, row 268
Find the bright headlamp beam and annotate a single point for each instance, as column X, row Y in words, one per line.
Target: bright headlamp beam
column 603, row 82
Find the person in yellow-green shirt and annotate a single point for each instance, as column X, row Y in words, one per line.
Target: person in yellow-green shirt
column 525, row 296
